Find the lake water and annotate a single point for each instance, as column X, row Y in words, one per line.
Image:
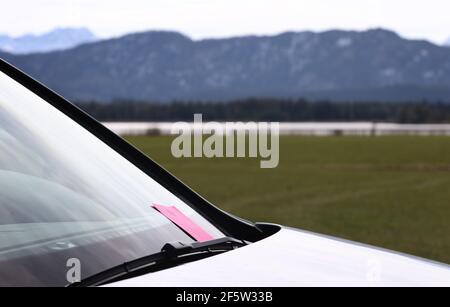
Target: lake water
column 311, row 128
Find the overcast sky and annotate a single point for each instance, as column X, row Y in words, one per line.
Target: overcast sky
column 428, row 19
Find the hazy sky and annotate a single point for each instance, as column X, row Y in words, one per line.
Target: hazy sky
column 428, row 19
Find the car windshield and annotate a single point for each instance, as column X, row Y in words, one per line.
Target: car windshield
column 65, row 195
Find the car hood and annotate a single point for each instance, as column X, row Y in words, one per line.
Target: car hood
column 299, row 258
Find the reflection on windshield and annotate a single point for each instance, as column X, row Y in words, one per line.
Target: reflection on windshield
column 65, row 194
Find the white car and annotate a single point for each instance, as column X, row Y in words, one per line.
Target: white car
column 79, row 206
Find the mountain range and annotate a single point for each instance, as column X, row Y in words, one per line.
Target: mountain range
column 162, row 66
column 447, row 43
column 58, row 39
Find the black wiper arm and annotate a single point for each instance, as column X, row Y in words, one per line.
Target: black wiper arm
column 171, row 254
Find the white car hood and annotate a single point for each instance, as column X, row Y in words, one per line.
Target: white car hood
column 299, row 258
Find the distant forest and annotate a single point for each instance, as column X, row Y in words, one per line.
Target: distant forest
column 271, row 110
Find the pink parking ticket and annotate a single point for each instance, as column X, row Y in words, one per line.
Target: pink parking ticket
column 185, row 223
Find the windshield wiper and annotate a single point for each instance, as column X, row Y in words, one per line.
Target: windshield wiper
column 172, row 254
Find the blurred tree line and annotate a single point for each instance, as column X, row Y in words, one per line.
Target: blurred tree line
column 271, row 110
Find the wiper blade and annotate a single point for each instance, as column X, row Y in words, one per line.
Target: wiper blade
column 172, row 254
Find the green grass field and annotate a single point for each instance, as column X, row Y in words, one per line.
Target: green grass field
column 392, row 192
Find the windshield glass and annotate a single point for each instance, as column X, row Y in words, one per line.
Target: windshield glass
column 64, row 195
